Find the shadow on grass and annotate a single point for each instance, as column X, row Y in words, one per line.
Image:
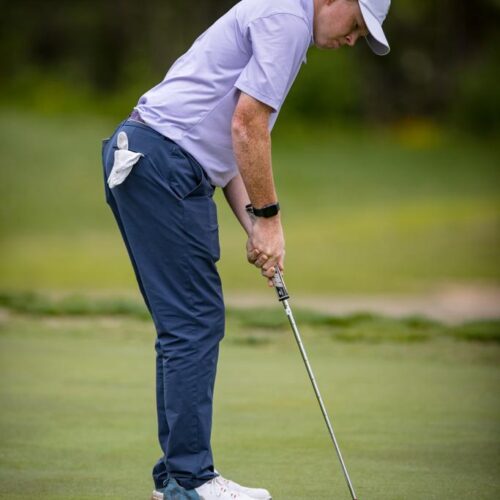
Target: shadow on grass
column 261, row 326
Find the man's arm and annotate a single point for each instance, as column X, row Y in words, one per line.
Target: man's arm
column 237, row 198
column 252, row 149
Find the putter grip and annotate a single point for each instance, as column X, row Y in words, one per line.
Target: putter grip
column 279, row 285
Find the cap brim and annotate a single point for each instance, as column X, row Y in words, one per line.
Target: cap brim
column 376, row 39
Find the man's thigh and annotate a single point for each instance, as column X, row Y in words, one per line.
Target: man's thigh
column 168, row 213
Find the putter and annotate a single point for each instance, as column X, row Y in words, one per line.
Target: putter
column 283, row 297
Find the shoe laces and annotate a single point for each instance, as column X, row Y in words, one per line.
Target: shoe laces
column 219, row 487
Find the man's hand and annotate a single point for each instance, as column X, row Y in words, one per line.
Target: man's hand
column 266, row 246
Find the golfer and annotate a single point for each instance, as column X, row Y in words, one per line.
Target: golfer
column 207, row 125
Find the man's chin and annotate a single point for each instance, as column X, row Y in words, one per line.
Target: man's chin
column 326, row 42
column 328, row 45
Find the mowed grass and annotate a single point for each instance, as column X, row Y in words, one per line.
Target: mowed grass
column 416, row 417
column 399, row 210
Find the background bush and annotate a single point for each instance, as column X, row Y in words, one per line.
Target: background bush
column 100, row 56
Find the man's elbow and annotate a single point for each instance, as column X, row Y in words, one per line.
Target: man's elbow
column 250, row 119
column 245, row 128
column 240, row 128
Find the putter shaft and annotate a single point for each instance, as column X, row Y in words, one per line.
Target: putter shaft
column 283, row 297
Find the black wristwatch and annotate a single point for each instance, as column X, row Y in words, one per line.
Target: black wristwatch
column 266, row 211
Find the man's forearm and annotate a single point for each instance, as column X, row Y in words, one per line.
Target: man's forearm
column 237, row 198
column 252, row 149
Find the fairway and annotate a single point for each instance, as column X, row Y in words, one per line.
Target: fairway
column 362, row 212
column 416, row 416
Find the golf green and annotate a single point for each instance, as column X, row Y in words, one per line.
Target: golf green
column 416, row 418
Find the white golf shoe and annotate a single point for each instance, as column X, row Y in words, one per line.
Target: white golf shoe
column 253, row 493
column 218, row 489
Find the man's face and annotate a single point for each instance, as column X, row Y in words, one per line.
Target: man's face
column 337, row 23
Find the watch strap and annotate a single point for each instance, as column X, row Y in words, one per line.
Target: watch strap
column 266, row 211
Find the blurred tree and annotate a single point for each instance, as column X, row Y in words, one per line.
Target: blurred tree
column 443, row 66
column 435, row 46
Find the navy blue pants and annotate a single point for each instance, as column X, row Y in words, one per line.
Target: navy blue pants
column 168, row 220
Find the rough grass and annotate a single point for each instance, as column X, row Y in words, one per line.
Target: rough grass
column 259, row 325
column 415, row 420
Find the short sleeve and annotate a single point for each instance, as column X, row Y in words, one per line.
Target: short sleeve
column 279, row 45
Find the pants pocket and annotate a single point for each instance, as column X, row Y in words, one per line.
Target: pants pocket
column 186, row 176
column 213, row 226
column 124, row 161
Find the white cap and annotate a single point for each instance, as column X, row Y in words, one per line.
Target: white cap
column 374, row 13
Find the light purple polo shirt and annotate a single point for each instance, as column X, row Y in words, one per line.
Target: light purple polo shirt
column 257, row 48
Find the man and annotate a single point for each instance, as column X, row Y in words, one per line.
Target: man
column 207, row 124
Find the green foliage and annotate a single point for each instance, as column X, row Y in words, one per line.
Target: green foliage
column 99, row 57
column 476, row 105
column 328, row 88
column 481, row 331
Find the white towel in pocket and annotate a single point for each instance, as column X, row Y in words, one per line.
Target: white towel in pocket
column 124, row 161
